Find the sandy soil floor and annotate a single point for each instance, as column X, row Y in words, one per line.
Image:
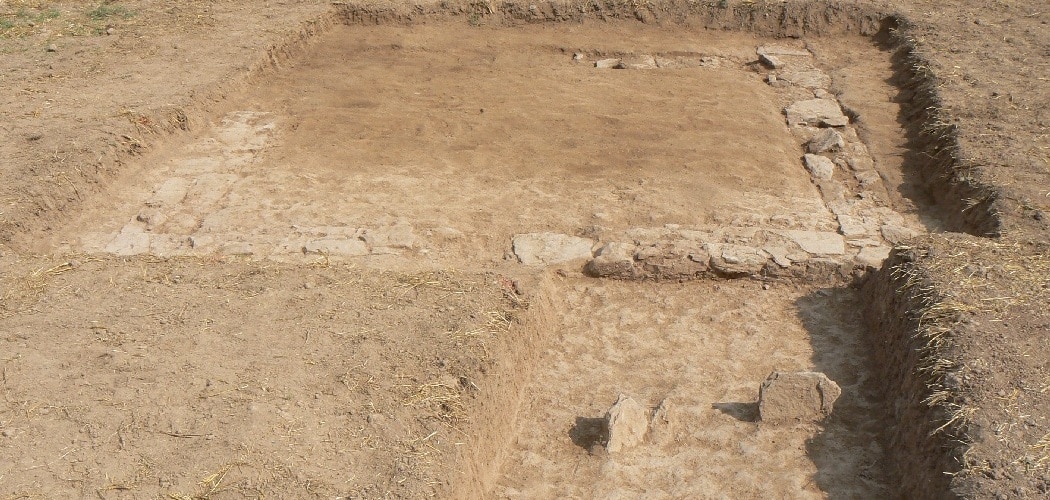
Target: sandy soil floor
column 699, row 350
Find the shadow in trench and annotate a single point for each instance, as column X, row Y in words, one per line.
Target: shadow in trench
column 918, row 168
column 848, row 451
column 590, row 433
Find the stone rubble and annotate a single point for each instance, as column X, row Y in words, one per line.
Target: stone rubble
column 819, row 167
column 826, row 141
column 796, row 397
column 815, row 113
column 770, row 61
column 628, row 424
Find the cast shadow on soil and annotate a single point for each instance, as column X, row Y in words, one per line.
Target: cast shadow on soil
column 589, row 433
column 744, row 412
column 846, row 451
column 917, row 165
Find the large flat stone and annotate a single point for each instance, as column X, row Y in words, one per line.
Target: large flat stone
column 540, row 249
column 816, row 242
column 815, row 112
column 130, row 241
column 810, row 78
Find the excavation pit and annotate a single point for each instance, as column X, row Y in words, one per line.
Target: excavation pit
column 432, row 145
column 542, row 159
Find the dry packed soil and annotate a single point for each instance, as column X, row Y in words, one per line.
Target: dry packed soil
column 250, row 251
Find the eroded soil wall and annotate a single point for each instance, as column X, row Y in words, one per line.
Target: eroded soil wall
column 922, row 454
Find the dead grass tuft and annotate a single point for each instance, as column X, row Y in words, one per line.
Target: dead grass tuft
column 23, row 292
column 440, row 398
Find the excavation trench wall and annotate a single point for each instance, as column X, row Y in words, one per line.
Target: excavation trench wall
column 905, row 335
column 498, row 408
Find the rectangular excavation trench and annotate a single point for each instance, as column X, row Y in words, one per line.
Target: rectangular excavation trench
column 698, row 351
column 508, row 149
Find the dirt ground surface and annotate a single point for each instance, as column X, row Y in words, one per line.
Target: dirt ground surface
column 250, row 250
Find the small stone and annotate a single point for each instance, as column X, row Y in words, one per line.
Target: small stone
column 8, row 433
column 873, row 256
column 447, row 233
column 606, row 63
column 628, row 423
column 375, row 419
column 661, row 426
column 896, row 234
column 780, row 256
column 861, row 163
column 52, row 48
column 827, row 140
column 614, row 260
column 868, row 178
column 637, row 62
column 578, row 56
column 734, row 260
column 152, row 218
column 110, row 31
column 835, row 121
column 823, row 94
column 815, row 112
column 539, row 249
column 788, row 397
column 770, row 61
column 710, row 62
column 819, row 167
column 851, row 228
